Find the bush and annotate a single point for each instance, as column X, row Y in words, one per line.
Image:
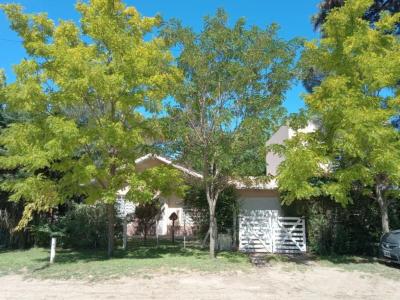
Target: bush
column 333, row 229
column 147, row 215
column 10, row 214
column 43, row 232
column 196, row 202
column 85, row 226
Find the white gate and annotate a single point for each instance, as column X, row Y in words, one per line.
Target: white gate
column 289, row 235
column 265, row 231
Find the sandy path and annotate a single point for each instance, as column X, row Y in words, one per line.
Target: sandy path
column 265, row 283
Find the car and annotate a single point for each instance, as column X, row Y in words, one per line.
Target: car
column 389, row 247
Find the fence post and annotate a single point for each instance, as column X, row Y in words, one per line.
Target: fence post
column 303, row 223
column 272, row 221
column 234, row 232
column 53, row 249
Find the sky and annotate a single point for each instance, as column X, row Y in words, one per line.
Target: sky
column 293, row 17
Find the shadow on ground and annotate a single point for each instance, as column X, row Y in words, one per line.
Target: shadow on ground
column 137, row 251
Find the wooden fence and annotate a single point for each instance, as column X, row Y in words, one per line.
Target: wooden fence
column 266, row 231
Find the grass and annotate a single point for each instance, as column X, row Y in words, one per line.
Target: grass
column 367, row 265
column 148, row 260
column 137, row 261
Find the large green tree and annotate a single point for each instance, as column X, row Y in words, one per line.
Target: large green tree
column 83, row 86
column 372, row 14
column 235, row 79
column 313, row 77
column 355, row 148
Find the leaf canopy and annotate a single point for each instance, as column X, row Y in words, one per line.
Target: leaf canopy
column 85, row 87
column 356, row 146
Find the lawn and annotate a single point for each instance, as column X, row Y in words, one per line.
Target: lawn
column 137, row 261
column 367, row 265
column 149, row 260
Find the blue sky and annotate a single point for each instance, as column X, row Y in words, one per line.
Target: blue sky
column 293, row 17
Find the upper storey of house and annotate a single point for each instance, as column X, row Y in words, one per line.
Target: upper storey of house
column 284, row 132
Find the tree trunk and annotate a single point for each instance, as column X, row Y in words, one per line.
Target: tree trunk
column 383, row 205
column 125, row 233
column 234, row 231
column 213, row 232
column 110, row 229
column 212, row 193
column 173, row 232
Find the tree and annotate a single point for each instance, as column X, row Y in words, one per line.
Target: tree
column 147, row 214
column 229, row 101
column 356, row 148
column 83, row 87
column 313, row 77
column 226, row 207
column 10, row 213
column 372, row 14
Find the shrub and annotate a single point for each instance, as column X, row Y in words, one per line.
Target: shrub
column 85, row 226
column 333, row 229
column 196, row 202
column 147, row 215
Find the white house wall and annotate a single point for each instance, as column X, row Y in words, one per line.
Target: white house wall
column 260, row 203
column 273, row 160
column 278, row 138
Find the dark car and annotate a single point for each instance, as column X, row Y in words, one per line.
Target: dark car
column 389, row 247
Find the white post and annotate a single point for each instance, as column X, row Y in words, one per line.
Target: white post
column 125, row 233
column 273, row 222
column 53, row 250
column 303, row 223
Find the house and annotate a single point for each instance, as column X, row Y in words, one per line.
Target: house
column 261, row 224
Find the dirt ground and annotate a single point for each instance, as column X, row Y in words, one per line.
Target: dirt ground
column 271, row 282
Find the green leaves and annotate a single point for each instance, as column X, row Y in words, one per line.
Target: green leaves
column 82, row 87
column 230, row 100
column 151, row 183
column 355, row 104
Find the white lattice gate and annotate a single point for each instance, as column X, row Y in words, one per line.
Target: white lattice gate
column 256, row 230
column 266, row 231
column 289, row 235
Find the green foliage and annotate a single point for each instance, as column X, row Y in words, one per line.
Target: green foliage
column 144, row 187
column 356, row 148
column 235, row 79
column 234, row 82
column 373, row 14
column 147, row 214
column 43, row 232
column 83, row 86
column 197, row 205
column 84, row 226
column 336, row 230
column 333, row 229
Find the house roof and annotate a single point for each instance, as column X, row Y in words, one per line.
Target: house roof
column 146, row 161
column 254, row 183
